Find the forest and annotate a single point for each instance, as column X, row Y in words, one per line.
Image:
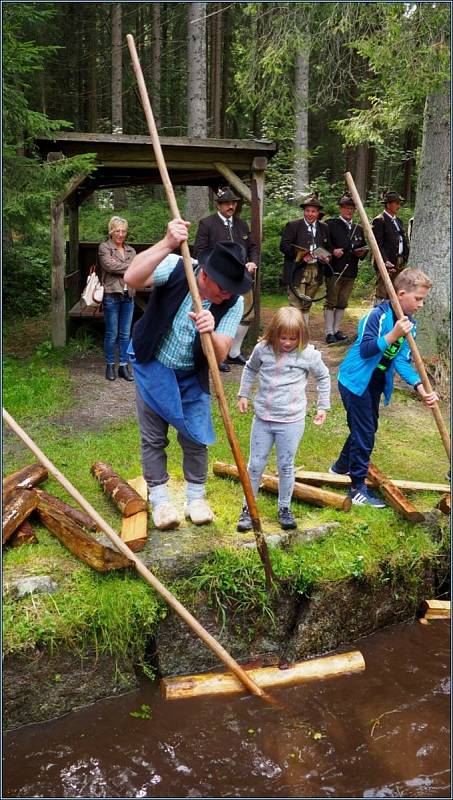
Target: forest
column 338, row 86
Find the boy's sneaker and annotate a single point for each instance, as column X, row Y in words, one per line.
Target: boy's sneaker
column 335, row 471
column 245, row 521
column 363, row 497
column 286, row 519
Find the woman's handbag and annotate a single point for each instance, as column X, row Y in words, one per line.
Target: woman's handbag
column 93, row 293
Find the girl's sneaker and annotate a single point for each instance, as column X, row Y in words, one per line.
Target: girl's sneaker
column 361, row 496
column 286, row 518
column 245, row 521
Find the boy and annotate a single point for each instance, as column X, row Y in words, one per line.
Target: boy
column 367, row 372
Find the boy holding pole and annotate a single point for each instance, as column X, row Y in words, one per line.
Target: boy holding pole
column 367, row 372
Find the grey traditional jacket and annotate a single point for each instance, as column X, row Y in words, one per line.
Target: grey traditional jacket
column 281, row 394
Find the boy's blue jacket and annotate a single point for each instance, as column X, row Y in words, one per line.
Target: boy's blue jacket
column 365, row 354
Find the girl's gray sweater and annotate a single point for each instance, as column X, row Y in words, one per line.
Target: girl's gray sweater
column 281, row 393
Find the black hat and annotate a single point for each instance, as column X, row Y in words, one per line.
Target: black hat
column 225, row 264
column 346, row 200
column 392, row 197
column 311, row 200
column 225, row 195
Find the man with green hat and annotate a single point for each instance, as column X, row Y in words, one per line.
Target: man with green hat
column 348, row 246
column 388, row 230
column 304, row 264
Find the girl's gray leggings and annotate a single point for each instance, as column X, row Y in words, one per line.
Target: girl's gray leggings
column 287, row 437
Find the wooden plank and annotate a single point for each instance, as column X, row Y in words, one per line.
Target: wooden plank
column 318, row 478
column 134, row 529
column 436, row 609
column 210, row 683
column 394, row 496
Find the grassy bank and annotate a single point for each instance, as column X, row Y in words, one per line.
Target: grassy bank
column 117, row 613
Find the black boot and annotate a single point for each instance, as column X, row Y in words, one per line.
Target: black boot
column 286, row 519
column 123, row 372
column 245, row 521
column 110, row 372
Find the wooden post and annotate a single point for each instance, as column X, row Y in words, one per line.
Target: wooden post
column 57, row 244
column 74, row 235
column 258, row 167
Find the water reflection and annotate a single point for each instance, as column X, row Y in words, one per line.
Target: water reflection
column 380, row 733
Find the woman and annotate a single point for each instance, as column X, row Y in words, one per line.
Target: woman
column 114, row 257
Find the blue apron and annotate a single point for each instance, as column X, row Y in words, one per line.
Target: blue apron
column 176, row 396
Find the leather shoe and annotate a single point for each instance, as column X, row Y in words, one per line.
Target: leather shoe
column 123, row 372
column 330, row 338
column 236, row 360
column 110, row 372
column 340, row 336
column 223, row 367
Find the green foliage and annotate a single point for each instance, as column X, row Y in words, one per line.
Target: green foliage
column 26, row 279
column 143, row 713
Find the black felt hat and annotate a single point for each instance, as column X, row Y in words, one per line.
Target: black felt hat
column 311, row 200
column 346, row 200
column 392, row 197
column 225, row 195
column 225, row 264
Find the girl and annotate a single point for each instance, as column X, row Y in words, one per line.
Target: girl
column 282, row 360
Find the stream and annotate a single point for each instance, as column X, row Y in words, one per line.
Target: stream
column 384, row 732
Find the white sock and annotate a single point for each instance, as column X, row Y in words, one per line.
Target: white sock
column 329, row 314
column 339, row 314
column 241, row 333
column 158, row 495
column 195, row 491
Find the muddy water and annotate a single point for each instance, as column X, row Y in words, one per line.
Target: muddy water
column 381, row 733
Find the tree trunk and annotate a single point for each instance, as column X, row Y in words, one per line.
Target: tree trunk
column 92, row 73
column 302, row 64
column 197, row 197
column 119, row 195
column 430, row 242
column 216, row 71
column 47, row 502
column 361, row 170
column 155, row 62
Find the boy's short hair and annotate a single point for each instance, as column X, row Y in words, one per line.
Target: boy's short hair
column 410, row 278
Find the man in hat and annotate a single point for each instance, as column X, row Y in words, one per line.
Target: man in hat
column 223, row 225
column 392, row 242
column 170, row 369
column 303, row 270
column 348, row 246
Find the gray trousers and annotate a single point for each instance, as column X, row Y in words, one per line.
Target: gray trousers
column 286, row 436
column 154, row 440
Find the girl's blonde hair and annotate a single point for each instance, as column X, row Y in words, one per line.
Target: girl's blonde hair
column 117, row 222
column 287, row 320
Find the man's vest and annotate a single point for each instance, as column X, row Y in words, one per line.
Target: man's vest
column 158, row 317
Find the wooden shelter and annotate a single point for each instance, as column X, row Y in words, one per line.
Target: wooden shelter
column 124, row 161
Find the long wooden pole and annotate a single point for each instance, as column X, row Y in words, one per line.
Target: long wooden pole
column 398, row 310
column 145, row 573
column 205, row 337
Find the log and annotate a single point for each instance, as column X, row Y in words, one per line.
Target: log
column 134, row 529
column 181, row 686
column 101, row 557
column 344, row 481
column 444, row 504
column 309, row 494
column 436, row 609
column 24, row 535
column 24, row 478
column 46, row 501
column 17, row 508
column 394, row 496
column 124, row 496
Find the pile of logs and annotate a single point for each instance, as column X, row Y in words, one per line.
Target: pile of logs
column 22, row 499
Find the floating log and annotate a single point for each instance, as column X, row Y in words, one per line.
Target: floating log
column 344, row 481
column 18, row 506
column 436, row 609
column 124, row 496
column 47, row 501
column 24, row 478
column 101, row 557
column 309, row 494
column 134, row 529
column 24, row 535
column 444, row 504
column 182, row 686
column 394, row 496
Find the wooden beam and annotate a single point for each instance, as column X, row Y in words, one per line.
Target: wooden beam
column 344, row 481
column 394, row 496
column 257, row 188
column 308, row 494
column 436, row 609
column 210, row 683
column 234, row 180
column 73, row 229
column 71, row 189
column 58, row 298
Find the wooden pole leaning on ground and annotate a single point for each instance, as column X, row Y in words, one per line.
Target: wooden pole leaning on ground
column 143, row 571
column 205, row 337
column 418, row 361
